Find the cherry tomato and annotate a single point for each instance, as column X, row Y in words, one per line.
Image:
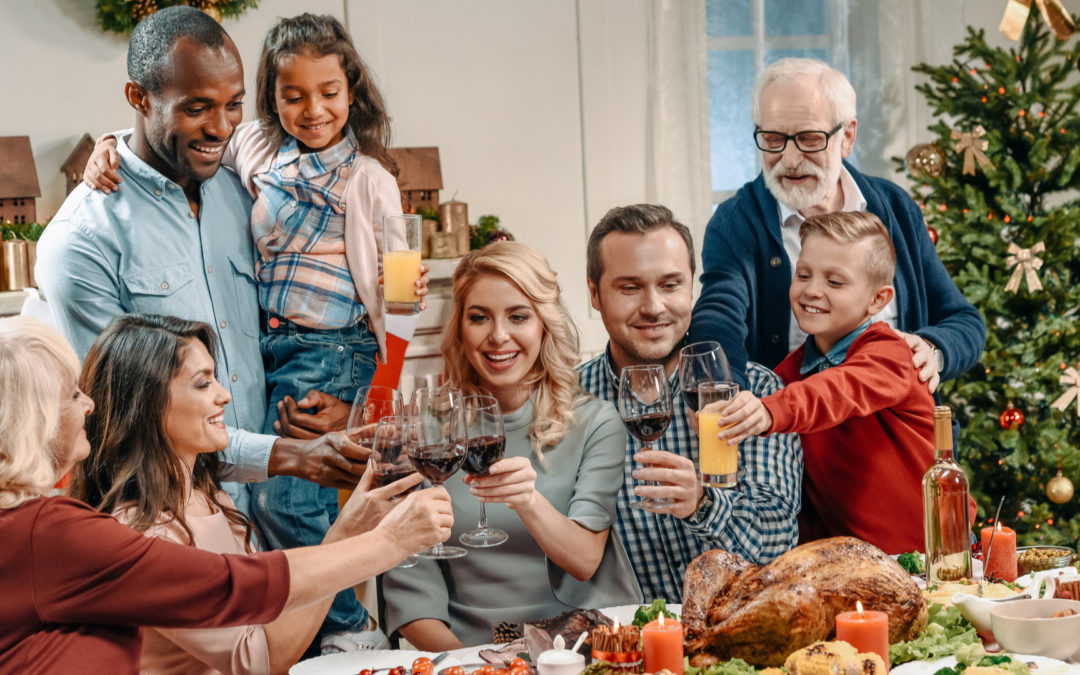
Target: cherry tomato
column 502, row 671
column 522, row 669
column 397, row 670
column 422, row 666
column 454, row 670
column 366, row 671
column 487, row 670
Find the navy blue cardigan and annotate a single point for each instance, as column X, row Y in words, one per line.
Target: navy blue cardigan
column 746, row 274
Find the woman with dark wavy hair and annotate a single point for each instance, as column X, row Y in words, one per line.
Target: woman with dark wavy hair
column 153, row 464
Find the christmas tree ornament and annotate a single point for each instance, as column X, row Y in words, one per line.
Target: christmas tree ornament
column 1025, row 263
column 1053, row 12
column 925, row 158
column 1072, row 379
column 1059, row 489
column 1011, row 418
column 974, row 147
column 933, row 234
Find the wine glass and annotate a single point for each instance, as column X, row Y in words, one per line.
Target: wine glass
column 645, row 408
column 487, row 440
column 370, row 405
column 390, row 462
column 435, row 441
column 701, row 362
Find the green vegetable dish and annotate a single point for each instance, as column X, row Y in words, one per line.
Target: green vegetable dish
column 645, row 614
column 912, row 562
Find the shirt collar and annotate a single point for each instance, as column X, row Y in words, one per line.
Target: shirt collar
column 312, row 164
column 145, row 175
column 613, row 377
column 814, row 361
column 853, row 200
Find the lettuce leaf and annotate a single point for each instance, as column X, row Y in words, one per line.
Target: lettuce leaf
column 947, row 631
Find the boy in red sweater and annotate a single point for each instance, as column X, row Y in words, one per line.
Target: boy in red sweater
column 851, row 392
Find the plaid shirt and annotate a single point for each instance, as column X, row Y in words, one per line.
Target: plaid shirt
column 298, row 221
column 755, row 520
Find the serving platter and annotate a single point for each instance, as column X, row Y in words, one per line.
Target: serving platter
column 350, row 663
column 1044, row 666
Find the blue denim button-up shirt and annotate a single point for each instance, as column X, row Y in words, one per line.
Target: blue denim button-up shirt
column 141, row 249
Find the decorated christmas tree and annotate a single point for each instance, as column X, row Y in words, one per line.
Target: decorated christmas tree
column 999, row 190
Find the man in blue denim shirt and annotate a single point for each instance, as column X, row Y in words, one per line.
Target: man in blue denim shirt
column 177, row 241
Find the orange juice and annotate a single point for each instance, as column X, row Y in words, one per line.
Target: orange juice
column 719, row 461
column 401, row 269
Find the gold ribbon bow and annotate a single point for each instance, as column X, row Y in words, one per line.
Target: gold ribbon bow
column 1071, row 378
column 973, row 146
column 1054, row 13
column 1025, row 263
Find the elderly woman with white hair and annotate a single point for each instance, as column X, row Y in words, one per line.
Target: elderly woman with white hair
column 76, row 584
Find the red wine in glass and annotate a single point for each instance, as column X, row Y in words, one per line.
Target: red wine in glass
column 379, row 480
column 690, row 397
column 435, row 441
column 483, row 452
column 438, row 461
column 648, row 427
column 645, row 409
column 487, row 442
column 701, row 362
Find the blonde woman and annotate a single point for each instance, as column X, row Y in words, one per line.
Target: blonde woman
column 554, row 490
column 77, row 585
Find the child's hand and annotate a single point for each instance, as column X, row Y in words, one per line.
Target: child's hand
column 749, row 416
column 422, row 286
column 101, row 169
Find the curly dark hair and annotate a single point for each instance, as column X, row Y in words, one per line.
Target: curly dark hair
column 153, row 39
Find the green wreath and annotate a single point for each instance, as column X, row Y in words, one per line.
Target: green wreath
column 120, row 16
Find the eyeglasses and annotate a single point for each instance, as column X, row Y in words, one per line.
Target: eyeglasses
column 805, row 141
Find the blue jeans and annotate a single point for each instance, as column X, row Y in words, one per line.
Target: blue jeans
column 290, row 511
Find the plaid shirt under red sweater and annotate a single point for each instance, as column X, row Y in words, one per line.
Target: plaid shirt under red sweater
column 867, row 432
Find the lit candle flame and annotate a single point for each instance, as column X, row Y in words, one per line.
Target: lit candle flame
column 997, row 526
column 661, row 619
column 615, row 628
column 858, row 606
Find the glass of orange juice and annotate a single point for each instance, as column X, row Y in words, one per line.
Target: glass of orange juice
column 718, row 461
column 401, row 263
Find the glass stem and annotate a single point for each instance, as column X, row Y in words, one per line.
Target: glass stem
column 482, row 525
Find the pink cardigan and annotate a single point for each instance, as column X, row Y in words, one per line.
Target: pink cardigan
column 370, row 193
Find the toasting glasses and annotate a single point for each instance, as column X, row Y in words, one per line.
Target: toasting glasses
column 435, row 441
column 389, row 461
column 645, row 408
column 701, row 362
column 487, row 441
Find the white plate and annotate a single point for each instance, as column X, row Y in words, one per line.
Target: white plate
column 350, row 663
column 1046, row 666
column 625, row 613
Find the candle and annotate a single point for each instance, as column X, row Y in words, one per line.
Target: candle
column 1002, row 560
column 866, row 631
column 663, row 645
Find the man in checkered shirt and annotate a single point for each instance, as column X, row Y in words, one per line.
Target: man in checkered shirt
column 640, row 271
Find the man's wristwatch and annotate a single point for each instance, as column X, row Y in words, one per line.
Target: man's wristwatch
column 939, row 357
column 704, row 506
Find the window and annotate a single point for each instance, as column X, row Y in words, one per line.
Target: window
column 745, row 36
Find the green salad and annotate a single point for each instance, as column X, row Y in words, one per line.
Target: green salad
column 647, row 613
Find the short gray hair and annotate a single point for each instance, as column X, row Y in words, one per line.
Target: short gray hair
column 833, row 84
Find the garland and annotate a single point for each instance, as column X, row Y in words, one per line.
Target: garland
column 120, row 16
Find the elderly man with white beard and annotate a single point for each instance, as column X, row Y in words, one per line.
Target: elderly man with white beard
column 804, row 117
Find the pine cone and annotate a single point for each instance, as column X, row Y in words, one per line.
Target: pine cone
column 506, row 631
column 140, row 9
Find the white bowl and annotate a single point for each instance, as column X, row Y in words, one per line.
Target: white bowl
column 1025, row 627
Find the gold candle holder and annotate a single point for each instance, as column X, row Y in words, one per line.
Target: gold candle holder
column 13, row 257
column 454, row 216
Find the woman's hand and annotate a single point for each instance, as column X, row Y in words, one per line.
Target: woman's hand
column 744, row 416
column 419, row 521
column 510, row 481
column 367, row 507
column 101, row 171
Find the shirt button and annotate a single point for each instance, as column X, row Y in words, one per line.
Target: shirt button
column 157, row 193
column 190, row 214
column 341, row 348
column 209, row 269
column 775, row 261
column 235, row 377
column 164, row 285
column 222, row 324
column 774, row 338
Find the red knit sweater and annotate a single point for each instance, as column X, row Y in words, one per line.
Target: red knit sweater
column 867, row 434
column 75, row 586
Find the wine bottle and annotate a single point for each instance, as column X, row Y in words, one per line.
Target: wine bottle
column 947, row 519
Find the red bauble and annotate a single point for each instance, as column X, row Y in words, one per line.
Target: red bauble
column 933, row 234
column 1011, row 418
column 500, row 235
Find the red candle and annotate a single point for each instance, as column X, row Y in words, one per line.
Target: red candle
column 1002, row 560
column 865, row 630
column 663, row 645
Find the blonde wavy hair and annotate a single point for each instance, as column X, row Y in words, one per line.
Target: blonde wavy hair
column 37, row 369
column 553, row 378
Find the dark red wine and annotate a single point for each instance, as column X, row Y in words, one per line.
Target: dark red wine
column 483, row 452
column 649, row 427
column 395, row 473
column 439, row 461
column 690, row 398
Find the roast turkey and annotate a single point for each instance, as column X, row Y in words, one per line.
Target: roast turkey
column 733, row 609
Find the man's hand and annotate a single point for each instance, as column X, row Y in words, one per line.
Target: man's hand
column 331, row 460
column 331, row 414
column 922, row 357
column 678, row 481
column 743, row 416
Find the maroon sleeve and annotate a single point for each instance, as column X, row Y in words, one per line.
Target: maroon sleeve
column 877, row 374
column 88, row 568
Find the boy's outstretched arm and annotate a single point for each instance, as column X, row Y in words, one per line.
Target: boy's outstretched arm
column 747, row 415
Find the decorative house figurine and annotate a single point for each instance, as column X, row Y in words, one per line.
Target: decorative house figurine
column 18, row 181
column 73, row 166
column 419, row 177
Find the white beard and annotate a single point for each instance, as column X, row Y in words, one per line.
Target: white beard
column 798, row 197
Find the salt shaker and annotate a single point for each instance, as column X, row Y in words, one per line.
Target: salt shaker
column 560, row 660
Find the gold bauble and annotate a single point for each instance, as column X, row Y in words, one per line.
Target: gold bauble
column 1059, row 489
column 925, row 158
